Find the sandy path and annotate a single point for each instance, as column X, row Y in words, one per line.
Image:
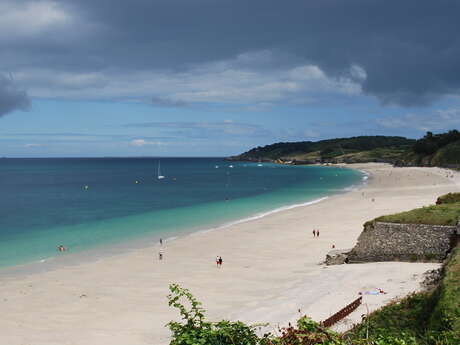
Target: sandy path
column 271, row 269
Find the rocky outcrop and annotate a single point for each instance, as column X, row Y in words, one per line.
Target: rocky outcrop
column 337, row 257
column 431, row 278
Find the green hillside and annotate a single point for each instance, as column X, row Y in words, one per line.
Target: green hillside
column 355, row 149
column 432, row 150
column 435, row 150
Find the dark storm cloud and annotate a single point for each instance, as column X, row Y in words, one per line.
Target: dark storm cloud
column 11, row 98
column 409, row 49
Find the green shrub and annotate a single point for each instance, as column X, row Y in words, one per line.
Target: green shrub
column 430, row 256
column 194, row 330
column 446, row 316
column 413, row 258
column 448, row 198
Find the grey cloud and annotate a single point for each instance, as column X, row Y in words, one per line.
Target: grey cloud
column 77, row 137
column 228, row 82
column 205, row 130
column 439, row 120
column 11, row 98
column 409, row 49
column 166, row 102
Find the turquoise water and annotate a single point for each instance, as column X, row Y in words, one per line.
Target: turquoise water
column 88, row 203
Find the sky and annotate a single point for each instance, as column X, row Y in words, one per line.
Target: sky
column 218, row 77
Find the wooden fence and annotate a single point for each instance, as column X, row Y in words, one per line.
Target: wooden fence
column 342, row 313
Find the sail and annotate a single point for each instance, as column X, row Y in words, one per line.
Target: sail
column 160, row 177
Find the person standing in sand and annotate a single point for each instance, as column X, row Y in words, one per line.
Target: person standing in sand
column 317, row 233
column 220, row 261
column 314, row 233
column 217, row 261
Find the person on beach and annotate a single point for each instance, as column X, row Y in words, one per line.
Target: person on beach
column 217, row 261
column 317, row 233
column 61, row 248
column 161, row 241
column 220, row 261
column 160, row 255
column 314, row 233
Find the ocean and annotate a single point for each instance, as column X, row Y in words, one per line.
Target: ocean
column 88, row 203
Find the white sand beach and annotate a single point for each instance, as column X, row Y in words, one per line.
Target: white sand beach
column 272, row 268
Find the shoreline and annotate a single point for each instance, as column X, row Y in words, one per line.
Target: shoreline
column 101, row 251
column 271, row 269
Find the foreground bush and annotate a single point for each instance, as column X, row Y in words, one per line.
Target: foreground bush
column 195, row 330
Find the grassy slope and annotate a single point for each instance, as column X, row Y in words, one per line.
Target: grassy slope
column 446, row 315
column 380, row 154
column 444, row 214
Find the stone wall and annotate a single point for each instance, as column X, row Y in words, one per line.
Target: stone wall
column 403, row 242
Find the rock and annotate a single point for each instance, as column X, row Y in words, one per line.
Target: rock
column 432, row 278
column 337, row 257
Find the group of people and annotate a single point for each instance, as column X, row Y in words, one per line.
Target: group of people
column 315, row 233
column 160, row 255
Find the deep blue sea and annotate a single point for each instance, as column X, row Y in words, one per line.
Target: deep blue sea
column 83, row 203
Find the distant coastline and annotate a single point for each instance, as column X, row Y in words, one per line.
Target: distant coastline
column 440, row 150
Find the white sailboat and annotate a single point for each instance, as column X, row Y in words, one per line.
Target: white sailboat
column 160, row 177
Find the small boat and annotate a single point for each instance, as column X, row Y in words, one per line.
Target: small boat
column 160, row 177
